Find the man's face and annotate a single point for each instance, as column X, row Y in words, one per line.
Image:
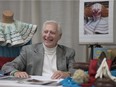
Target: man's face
column 96, row 9
column 50, row 35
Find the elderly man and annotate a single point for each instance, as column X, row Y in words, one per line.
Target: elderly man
column 44, row 59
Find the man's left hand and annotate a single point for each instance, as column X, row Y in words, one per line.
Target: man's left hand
column 60, row 74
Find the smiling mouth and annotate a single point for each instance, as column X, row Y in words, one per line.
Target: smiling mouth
column 48, row 41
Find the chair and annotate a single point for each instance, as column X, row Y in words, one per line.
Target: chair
column 4, row 60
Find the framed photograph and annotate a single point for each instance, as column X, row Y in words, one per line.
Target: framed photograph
column 96, row 21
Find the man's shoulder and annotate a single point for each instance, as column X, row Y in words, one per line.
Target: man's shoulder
column 65, row 47
column 66, row 50
column 33, row 45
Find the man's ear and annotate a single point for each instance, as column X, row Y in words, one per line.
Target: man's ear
column 60, row 36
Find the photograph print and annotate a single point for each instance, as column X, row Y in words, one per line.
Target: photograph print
column 96, row 21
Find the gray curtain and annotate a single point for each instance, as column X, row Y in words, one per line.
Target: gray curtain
column 66, row 12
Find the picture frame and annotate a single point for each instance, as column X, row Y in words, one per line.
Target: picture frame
column 96, row 21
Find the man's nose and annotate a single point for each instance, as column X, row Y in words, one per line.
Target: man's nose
column 48, row 34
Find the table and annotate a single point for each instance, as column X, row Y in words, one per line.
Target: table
column 17, row 83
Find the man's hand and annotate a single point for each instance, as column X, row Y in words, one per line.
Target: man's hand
column 21, row 74
column 60, row 74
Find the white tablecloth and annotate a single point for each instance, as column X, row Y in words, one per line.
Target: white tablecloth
column 15, row 83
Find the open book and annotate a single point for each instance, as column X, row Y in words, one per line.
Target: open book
column 34, row 80
column 39, row 82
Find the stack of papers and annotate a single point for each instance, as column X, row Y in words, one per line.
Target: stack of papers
column 11, row 78
column 39, row 82
column 34, row 80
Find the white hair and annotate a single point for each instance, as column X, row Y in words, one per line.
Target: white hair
column 54, row 22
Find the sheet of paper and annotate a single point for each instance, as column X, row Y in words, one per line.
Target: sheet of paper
column 40, row 80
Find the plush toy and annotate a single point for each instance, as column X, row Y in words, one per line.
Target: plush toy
column 80, row 76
